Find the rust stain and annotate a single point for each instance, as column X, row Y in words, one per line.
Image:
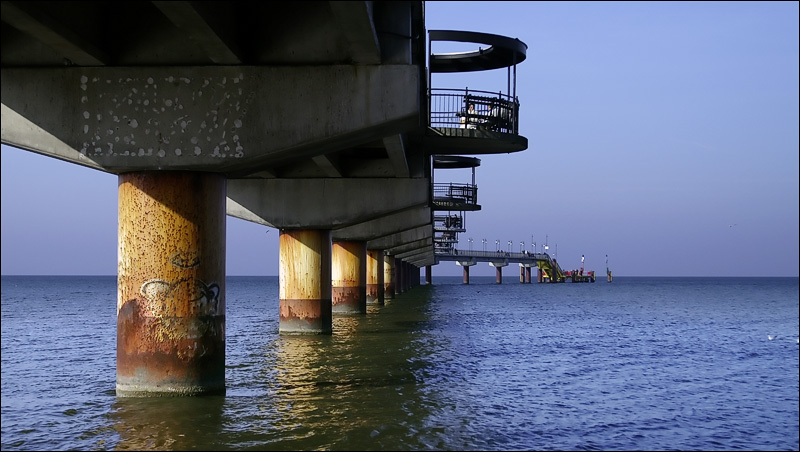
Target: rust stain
column 372, row 290
column 168, row 347
column 170, row 304
column 352, row 296
column 309, row 310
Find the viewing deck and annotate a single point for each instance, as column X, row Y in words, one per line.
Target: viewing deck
column 464, row 121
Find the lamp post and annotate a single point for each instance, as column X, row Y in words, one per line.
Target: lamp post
column 497, row 245
column 470, row 243
column 509, row 245
column 521, row 246
column 484, row 245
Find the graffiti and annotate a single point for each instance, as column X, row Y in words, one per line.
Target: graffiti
column 161, row 296
column 184, row 259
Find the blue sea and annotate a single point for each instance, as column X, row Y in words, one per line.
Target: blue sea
column 635, row 364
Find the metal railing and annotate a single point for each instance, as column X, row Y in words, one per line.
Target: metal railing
column 450, row 194
column 450, row 109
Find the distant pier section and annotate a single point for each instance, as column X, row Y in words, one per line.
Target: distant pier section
column 547, row 268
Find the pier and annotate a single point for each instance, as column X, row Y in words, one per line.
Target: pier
column 547, row 268
column 325, row 128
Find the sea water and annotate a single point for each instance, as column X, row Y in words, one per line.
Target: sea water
column 635, row 364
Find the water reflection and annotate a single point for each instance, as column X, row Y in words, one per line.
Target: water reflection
column 361, row 388
column 167, row 423
column 368, row 386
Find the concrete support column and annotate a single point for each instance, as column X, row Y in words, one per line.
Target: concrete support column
column 498, row 265
column 428, row 275
column 388, row 277
column 171, row 284
column 521, row 274
column 349, row 277
column 539, row 277
column 398, row 276
column 305, row 282
column 466, row 265
column 527, row 275
column 375, row 287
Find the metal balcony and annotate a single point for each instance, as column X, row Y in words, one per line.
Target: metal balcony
column 492, row 125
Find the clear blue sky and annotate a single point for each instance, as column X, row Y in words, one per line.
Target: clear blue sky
column 664, row 135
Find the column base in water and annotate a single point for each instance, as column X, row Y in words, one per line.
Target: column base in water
column 349, row 275
column 171, row 284
column 305, row 282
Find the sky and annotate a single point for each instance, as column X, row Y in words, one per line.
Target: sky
column 663, row 140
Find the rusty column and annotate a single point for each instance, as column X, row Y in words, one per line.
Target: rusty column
column 388, row 277
column 428, row 275
column 498, row 275
column 349, row 277
column 466, row 274
column 521, row 274
column 305, row 282
column 527, row 275
column 539, row 277
column 171, row 284
column 404, row 275
column 375, row 287
column 399, row 284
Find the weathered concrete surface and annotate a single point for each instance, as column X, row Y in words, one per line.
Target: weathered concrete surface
column 322, row 203
column 375, row 288
column 386, row 225
column 392, row 242
column 171, row 284
column 223, row 119
column 389, row 277
column 349, row 277
column 305, row 282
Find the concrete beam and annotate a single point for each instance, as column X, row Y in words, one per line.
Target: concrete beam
column 322, row 203
column 354, row 19
column 50, row 31
column 405, row 249
column 197, row 20
column 396, row 149
column 237, row 120
column 416, row 252
column 424, row 260
column 389, row 224
column 401, row 238
column 330, row 165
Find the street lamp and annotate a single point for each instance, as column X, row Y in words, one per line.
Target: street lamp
column 521, row 246
column 497, row 245
column 509, row 245
column 470, row 243
column 484, row 245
